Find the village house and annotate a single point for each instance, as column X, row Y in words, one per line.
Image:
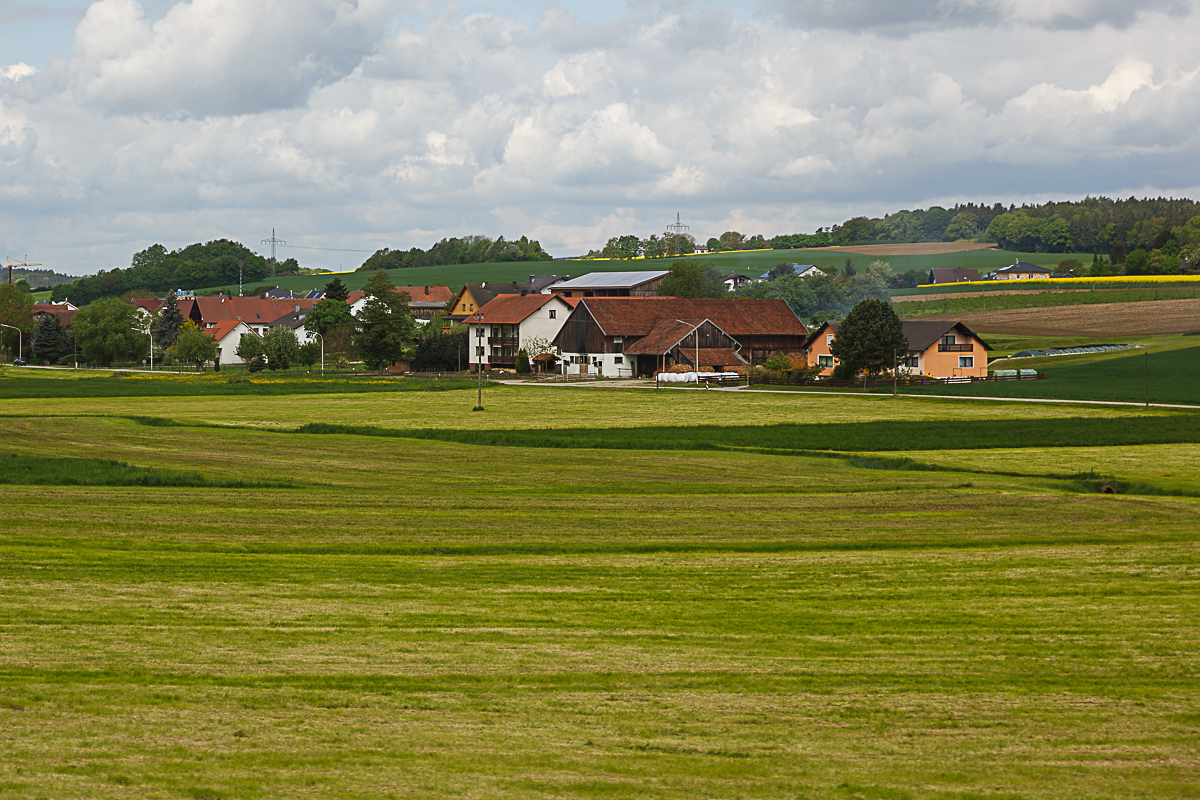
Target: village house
column 424, row 301
column 636, row 336
column 510, row 322
column 613, row 284
column 735, row 280
column 937, row 348
column 955, row 275
column 474, row 296
column 65, row 312
column 256, row 312
column 1021, row 270
column 228, row 335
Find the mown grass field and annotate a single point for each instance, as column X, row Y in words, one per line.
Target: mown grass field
column 400, row 617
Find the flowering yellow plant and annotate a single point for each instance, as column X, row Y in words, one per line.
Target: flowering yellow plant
column 1108, row 279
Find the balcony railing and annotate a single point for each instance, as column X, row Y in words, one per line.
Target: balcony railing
column 502, row 341
column 955, row 348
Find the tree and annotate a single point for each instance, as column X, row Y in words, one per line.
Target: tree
column 327, row 315
column 50, row 339
column 336, row 290
column 522, row 365
column 689, row 278
column 385, row 324
column 193, row 346
column 870, row 338
column 962, row 228
column 439, row 351
column 731, row 240
column 873, row 282
column 170, row 320
column 622, row 247
column 281, row 347
column 16, row 309
column 106, row 332
column 781, row 269
column 249, row 348
column 309, row 353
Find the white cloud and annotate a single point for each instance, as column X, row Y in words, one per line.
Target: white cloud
column 226, row 118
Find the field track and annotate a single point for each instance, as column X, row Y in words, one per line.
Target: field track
column 1144, row 318
column 914, row 249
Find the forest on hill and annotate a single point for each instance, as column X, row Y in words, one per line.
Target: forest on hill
column 455, row 250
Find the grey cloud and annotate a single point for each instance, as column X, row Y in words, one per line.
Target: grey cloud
column 906, row 16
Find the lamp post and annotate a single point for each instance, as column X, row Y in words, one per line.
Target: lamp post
column 479, row 358
column 20, row 338
column 149, row 332
column 322, row 338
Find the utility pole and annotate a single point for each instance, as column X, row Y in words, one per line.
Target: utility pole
column 479, row 360
column 273, row 242
column 1147, row 379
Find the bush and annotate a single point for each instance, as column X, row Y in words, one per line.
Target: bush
column 842, row 372
column 779, row 361
column 258, row 363
column 523, row 367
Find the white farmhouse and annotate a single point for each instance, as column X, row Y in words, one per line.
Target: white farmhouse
column 509, row 322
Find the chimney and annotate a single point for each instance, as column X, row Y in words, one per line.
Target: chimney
column 531, row 277
column 222, row 299
column 427, row 290
column 297, row 309
column 483, row 285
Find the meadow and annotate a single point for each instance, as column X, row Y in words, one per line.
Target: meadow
column 752, row 262
column 393, row 616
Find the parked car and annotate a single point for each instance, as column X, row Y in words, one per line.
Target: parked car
column 19, row 362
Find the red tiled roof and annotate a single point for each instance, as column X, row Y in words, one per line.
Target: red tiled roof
column 440, row 294
column 253, row 310
column 223, row 328
column 150, row 305
column 63, row 312
column 636, row 316
column 511, row 309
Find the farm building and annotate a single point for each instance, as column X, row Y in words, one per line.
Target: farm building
column 612, row 284
column 635, row 336
column 938, row 348
column 474, row 296
column 955, row 275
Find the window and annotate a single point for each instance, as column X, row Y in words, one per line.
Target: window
column 828, row 339
column 479, row 351
column 619, row 360
column 479, row 332
column 966, row 362
column 948, row 339
column 826, row 362
column 553, row 313
column 472, row 306
column 913, row 362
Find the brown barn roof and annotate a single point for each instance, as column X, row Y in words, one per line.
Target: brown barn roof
column 713, row 356
column 955, row 275
column 636, row 316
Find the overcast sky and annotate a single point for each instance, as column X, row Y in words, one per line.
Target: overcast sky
column 374, row 123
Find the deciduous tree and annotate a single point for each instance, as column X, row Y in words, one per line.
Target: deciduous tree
column 105, row 331
column 870, row 337
column 689, row 278
column 385, row 324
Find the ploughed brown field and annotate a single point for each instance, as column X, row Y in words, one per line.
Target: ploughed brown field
column 1143, row 318
column 913, row 249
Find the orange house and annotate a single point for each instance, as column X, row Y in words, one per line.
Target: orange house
column 939, row 348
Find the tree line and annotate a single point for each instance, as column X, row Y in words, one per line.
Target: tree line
column 456, row 250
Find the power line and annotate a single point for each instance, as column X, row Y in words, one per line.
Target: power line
column 332, row 249
column 273, row 241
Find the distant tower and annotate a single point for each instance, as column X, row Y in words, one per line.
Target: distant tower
column 273, row 241
column 678, row 229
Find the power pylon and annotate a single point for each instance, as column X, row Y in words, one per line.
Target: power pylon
column 24, row 263
column 273, row 242
column 678, row 229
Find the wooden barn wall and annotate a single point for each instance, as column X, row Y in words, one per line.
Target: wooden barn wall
column 581, row 334
column 711, row 337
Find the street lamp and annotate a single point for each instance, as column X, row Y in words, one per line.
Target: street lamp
column 149, row 332
column 322, row 338
column 20, row 338
column 479, row 358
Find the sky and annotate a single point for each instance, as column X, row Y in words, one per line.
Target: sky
column 350, row 125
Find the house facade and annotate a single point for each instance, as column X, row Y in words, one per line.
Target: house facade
column 937, row 348
column 1021, row 271
column 509, row 322
column 627, row 337
column 955, row 275
column 228, row 335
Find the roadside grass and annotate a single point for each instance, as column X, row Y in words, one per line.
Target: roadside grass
column 1174, row 377
column 426, row 618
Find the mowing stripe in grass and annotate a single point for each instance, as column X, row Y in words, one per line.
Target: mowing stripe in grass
column 875, row 436
column 25, row 470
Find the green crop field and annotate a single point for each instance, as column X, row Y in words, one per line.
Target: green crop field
column 1030, row 298
column 593, row 592
column 754, row 262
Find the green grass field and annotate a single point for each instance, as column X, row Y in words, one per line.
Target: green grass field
column 390, row 616
column 753, row 262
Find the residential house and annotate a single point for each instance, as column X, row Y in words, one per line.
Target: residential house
column 613, row 335
column 1021, row 270
column 939, row 348
column 424, row 301
column 65, row 312
column 799, row 270
column 955, row 275
column 511, row 321
column 228, row 335
column 474, row 296
column 613, row 284
column 735, row 280
column 257, row 312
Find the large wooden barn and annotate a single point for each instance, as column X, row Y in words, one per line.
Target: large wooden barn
column 634, row 336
